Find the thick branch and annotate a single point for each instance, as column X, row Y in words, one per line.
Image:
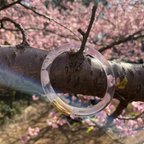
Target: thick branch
column 20, row 69
column 88, row 77
column 89, row 81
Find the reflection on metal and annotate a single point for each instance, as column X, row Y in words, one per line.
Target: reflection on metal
column 61, row 107
column 65, row 102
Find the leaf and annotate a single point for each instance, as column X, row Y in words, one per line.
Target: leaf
column 90, row 129
column 123, row 83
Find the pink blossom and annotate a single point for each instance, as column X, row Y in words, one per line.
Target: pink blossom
column 35, row 98
column 33, row 131
column 24, row 139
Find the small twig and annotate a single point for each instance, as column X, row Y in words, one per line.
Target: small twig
column 24, row 40
column 110, row 22
column 39, row 14
column 81, row 32
column 131, row 118
column 100, row 13
column 9, row 5
column 135, row 36
column 85, row 35
column 29, row 29
column 47, row 17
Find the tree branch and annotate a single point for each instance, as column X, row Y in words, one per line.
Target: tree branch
column 135, row 36
column 39, row 14
column 24, row 40
column 20, row 69
column 47, row 17
column 85, row 35
column 29, row 29
column 9, row 5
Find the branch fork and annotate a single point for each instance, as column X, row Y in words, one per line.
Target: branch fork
column 86, row 34
column 19, row 27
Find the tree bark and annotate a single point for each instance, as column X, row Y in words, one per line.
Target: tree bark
column 134, row 89
column 84, row 75
column 20, row 69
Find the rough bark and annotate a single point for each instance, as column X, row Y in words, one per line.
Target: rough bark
column 79, row 75
column 84, row 75
column 20, row 68
column 134, row 89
